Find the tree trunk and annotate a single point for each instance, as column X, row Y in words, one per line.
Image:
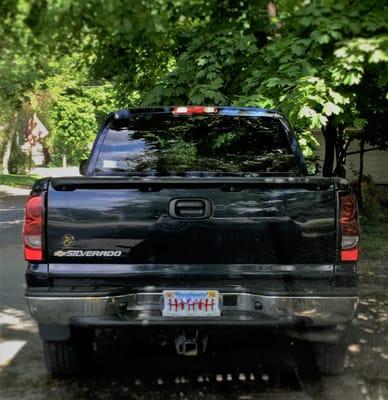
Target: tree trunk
column 46, row 155
column 340, row 153
column 361, row 173
column 330, row 135
column 7, row 151
column 271, row 9
column 29, row 159
column 272, row 12
column 8, row 145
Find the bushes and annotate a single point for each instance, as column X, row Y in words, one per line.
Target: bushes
column 374, row 220
column 18, row 161
column 371, row 208
column 75, row 127
column 74, row 119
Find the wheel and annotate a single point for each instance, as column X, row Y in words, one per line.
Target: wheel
column 61, row 358
column 330, row 357
column 67, row 358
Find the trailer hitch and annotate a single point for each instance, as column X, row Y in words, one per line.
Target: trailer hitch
column 191, row 345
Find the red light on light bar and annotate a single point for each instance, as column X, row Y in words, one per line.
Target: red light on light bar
column 190, row 110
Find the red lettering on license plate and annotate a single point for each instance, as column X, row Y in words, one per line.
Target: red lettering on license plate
column 191, row 304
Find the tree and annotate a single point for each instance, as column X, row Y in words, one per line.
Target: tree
column 58, row 89
column 19, row 70
column 74, row 109
column 309, row 59
column 322, row 57
column 165, row 51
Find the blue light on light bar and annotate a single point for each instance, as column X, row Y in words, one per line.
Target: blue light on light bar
column 245, row 111
column 229, row 111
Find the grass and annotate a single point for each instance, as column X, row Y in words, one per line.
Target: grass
column 374, row 236
column 23, row 181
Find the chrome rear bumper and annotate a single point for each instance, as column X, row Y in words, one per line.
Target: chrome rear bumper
column 145, row 309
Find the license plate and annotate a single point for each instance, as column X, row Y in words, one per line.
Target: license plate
column 191, row 303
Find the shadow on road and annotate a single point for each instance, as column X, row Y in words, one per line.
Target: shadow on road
column 267, row 369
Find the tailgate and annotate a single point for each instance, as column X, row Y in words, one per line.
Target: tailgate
column 284, row 221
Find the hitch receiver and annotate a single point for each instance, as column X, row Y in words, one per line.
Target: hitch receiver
column 191, row 345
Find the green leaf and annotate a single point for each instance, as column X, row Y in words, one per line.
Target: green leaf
column 323, row 39
column 330, row 108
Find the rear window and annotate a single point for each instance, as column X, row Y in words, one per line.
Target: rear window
column 181, row 145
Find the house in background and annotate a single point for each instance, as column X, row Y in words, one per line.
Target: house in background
column 375, row 162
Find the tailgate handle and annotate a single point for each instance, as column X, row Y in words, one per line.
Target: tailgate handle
column 190, row 208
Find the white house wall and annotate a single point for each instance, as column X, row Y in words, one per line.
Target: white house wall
column 375, row 162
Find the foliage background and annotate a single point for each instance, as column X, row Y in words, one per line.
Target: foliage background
column 322, row 62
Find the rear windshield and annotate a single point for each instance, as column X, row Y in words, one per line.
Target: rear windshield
column 181, row 145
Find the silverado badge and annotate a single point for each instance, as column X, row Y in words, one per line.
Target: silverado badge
column 88, row 253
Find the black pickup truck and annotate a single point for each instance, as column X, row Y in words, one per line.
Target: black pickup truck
column 191, row 220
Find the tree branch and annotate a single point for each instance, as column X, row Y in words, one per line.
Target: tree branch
column 341, row 157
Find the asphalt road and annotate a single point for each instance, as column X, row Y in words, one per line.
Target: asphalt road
column 267, row 370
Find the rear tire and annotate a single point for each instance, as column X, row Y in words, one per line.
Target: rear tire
column 67, row 357
column 330, row 357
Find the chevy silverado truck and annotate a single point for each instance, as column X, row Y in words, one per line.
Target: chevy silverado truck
column 191, row 220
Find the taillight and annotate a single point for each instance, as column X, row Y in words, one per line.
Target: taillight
column 190, row 110
column 350, row 230
column 33, row 228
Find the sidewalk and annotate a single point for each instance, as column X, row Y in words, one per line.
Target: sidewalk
column 55, row 172
column 13, row 191
column 24, row 190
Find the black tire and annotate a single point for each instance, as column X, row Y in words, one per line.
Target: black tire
column 330, row 357
column 68, row 357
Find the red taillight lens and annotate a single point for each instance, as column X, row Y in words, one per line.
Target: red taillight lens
column 33, row 229
column 350, row 255
column 190, row 110
column 348, row 208
column 350, row 230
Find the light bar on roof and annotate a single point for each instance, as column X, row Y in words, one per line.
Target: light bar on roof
column 190, row 110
